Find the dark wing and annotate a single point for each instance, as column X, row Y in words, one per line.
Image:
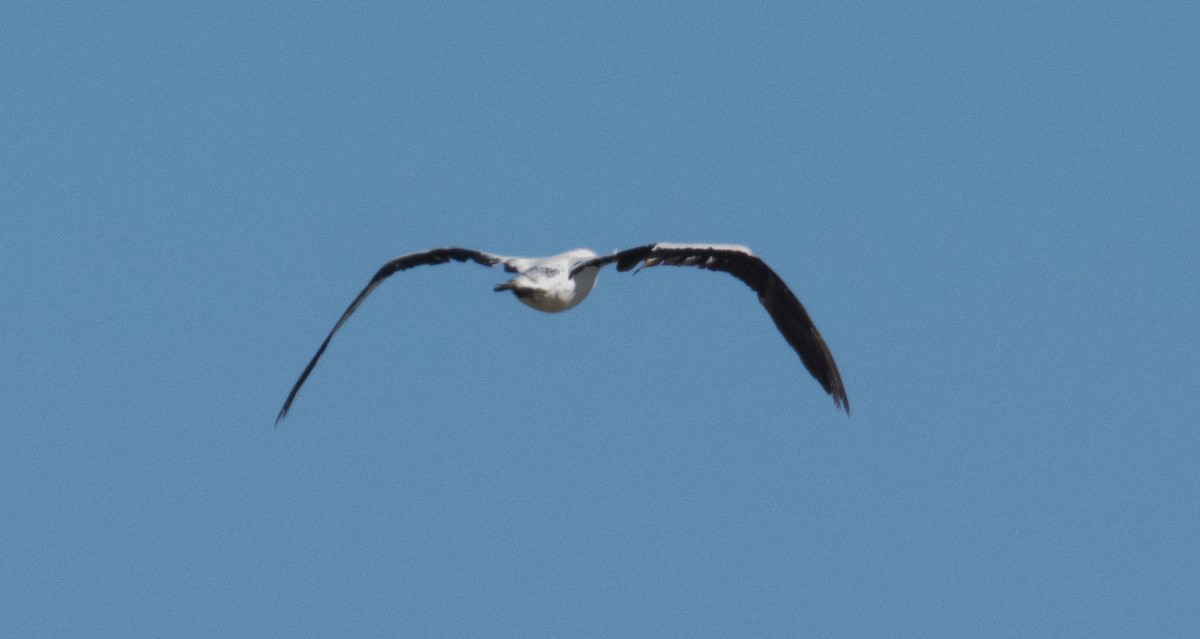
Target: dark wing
column 789, row 315
column 404, row 262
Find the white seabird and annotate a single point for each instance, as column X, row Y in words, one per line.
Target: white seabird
column 559, row 282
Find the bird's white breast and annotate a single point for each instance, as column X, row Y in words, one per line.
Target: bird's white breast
column 548, row 286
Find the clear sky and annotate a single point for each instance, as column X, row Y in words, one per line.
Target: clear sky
column 991, row 210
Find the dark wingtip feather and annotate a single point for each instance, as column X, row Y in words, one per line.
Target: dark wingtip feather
column 840, row 400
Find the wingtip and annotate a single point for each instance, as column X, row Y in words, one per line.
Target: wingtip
column 841, row 401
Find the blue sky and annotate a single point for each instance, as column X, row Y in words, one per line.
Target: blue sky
column 991, row 212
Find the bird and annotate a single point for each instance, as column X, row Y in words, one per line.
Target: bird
column 560, row 282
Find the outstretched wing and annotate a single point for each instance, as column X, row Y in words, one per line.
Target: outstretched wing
column 404, row 262
column 787, row 312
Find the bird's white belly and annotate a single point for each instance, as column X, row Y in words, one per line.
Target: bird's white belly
column 562, row 293
column 551, row 301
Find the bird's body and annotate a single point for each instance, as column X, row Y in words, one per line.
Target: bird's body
column 560, row 282
column 551, row 284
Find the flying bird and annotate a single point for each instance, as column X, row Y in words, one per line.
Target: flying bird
column 560, row 282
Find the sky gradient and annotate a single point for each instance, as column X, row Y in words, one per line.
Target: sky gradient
column 991, row 213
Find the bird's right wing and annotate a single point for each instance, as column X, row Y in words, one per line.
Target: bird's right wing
column 404, row 262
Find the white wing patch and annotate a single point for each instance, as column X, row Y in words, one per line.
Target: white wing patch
column 736, row 248
column 519, row 264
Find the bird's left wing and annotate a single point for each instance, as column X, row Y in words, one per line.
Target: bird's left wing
column 404, row 262
column 788, row 313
